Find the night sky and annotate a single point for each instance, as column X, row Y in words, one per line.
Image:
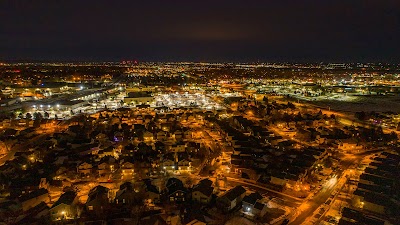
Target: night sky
column 189, row 30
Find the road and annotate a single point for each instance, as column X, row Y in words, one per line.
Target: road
column 22, row 147
column 41, row 133
column 320, row 198
column 313, row 204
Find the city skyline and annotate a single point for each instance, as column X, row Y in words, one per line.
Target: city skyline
column 303, row 31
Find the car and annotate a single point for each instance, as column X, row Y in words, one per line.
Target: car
column 285, row 221
column 328, row 202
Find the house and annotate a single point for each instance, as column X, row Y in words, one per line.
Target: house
column 128, row 151
column 101, row 137
column 153, row 220
column 65, row 207
column 231, row 199
column 178, row 134
column 148, row 137
column 34, row 215
column 84, row 169
column 187, row 134
column 197, row 134
column 103, row 169
column 192, row 147
column 178, row 147
column 152, row 193
column 371, row 201
column 168, row 164
column 98, row 200
column 176, row 192
column 127, row 169
column 353, row 216
column 118, row 136
column 203, row 191
column 10, row 208
column 34, row 198
column 106, row 166
column 259, row 209
column 109, row 151
column 161, row 135
column 184, row 165
column 252, row 206
column 166, row 127
column 125, row 195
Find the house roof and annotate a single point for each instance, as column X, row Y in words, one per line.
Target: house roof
column 259, row 205
column 206, row 190
column 206, row 182
column 234, row 193
column 252, row 198
column 151, row 188
column 174, row 185
column 153, row 220
column 33, row 194
column 359, row 217
column 66, row 198
column 97, row 191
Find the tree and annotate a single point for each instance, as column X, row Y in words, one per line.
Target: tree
column 28, row 116
column 39, row 116
column 46, row 115
column 360, row 115
column 265, row 99
column 290, row 105
column 298, row 117
column 12, row 116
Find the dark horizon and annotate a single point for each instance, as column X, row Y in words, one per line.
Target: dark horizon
column 308, row 31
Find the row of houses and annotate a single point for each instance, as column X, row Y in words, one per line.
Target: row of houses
column 377, row 196
column 278, row 166
column 377, row 190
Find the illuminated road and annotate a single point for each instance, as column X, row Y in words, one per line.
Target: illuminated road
column 308, row 208
column 21, row 147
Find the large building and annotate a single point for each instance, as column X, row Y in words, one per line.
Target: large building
column 139, row 98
